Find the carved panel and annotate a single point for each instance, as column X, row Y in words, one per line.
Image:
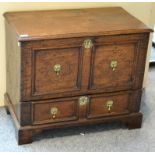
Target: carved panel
column 47, row 79
column 113, row 66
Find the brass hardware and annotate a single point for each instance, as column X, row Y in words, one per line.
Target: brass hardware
column 83, row 100
column 57, row 68
column 88, row 43
column 113, row 64
column 109, row 104
column 54, row 111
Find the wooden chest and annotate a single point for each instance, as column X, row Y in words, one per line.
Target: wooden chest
column 74, row 67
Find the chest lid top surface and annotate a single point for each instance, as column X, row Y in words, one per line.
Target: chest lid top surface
column 35, row 25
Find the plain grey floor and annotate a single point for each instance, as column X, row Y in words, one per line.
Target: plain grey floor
column 114, row 137
column 152, row 54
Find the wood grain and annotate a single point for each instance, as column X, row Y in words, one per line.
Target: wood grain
column 74, row 23
column 67, row 111
column 25, row 134
column 45, row 78
column 84, row 71
column 13, row 68
column 103, row 75
column 38, row 40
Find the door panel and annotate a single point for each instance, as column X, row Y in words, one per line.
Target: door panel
column 113, row 66
column 56, row 70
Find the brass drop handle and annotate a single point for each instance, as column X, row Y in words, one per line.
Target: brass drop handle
column 88, row 43
column 113, row 64
column 57, row 68
column 109, row 104
column 83, row 100
column 54, row 112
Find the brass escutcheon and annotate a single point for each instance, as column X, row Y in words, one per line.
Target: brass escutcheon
column 54, row 111
column 109, row 104
column 83, row 100
column 57, row 68
column 113, row 64
column 88, row 43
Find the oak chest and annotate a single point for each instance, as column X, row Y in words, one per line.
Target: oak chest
column 74, row 67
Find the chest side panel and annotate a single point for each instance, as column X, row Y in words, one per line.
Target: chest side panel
column 13, row 69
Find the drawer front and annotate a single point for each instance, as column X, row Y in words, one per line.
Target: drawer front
column 113, row 104
column 55, row 111
column 85, row 107
column 114, row 66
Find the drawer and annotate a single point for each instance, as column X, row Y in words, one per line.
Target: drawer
column 55, row 111
column 113, row 104
column 114, row 66
column 88, row 106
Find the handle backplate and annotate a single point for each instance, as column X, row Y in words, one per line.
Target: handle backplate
column 57, row 68
column 113, row 64
column 54, row 112
column 83, row 100
column 88, row 43
column 109, row 104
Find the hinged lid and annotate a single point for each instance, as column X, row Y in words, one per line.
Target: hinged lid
column 36, row 25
